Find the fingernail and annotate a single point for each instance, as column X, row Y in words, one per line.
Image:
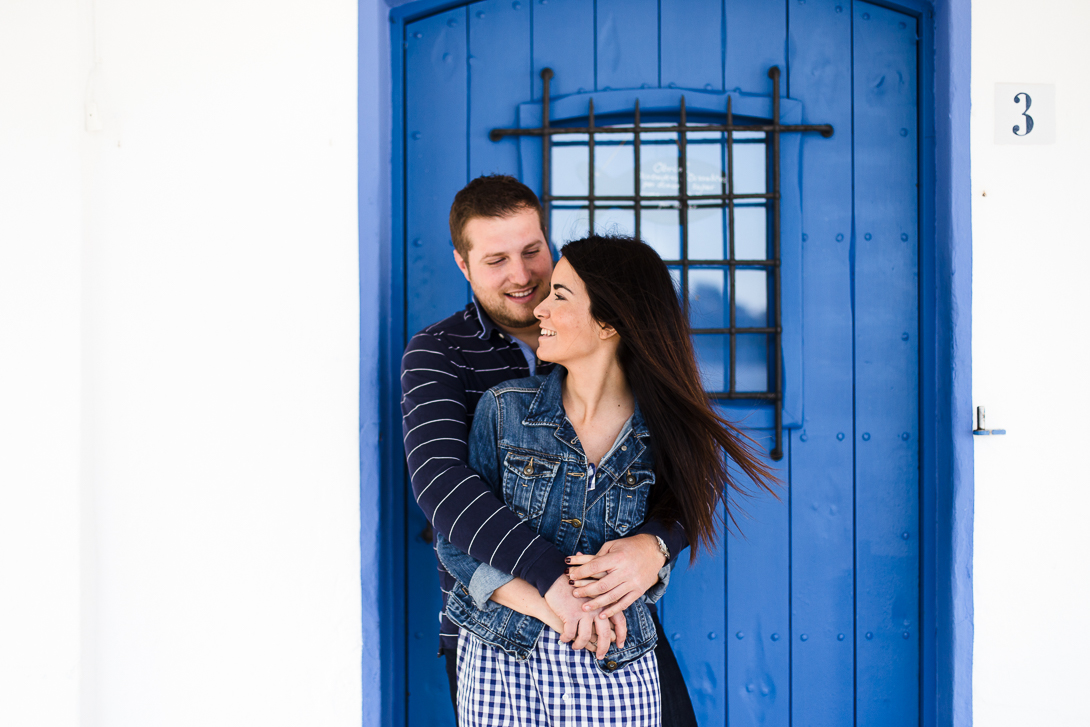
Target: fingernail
column 568, row 561
column 571, row 582
column 566, row 571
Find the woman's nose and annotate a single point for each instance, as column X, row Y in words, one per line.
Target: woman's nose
column 542, row 310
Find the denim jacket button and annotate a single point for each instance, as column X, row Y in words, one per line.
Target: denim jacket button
column 631, row 479
column 611, row 665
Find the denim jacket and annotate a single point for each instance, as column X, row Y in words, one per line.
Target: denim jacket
column 524, row 447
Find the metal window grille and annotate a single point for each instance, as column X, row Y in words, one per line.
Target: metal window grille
column 726, row 199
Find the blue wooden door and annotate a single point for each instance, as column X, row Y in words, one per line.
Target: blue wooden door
column 811, row 615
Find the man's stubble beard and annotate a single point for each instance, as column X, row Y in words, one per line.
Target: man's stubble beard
column 501, row 318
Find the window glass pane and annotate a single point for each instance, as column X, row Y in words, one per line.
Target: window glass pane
column 614, row 221
column 661, row 229
column 568, row 171
column 706, row 233
column 750, row 232
column 751, row 362
column 749, row 168
column 567, row 223
column 750, row 298
column 713, row 358
column 658, row 166
column 705, row 170
column 614, row 164
column 708, row 298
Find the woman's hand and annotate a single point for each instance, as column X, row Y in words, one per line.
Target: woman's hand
column 622, row 571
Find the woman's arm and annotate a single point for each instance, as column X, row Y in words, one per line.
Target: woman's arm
column 518, row 595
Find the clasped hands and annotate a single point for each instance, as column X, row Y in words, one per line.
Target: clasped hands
column 590, row 599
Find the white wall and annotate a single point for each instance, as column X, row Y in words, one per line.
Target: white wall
column 1031, row 253
column 179, row 473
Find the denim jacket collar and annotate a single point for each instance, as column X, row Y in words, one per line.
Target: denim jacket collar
column 547, row 410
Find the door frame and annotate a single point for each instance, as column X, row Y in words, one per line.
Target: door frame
column 946, row 422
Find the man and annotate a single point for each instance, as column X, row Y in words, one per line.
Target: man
column 498, row 230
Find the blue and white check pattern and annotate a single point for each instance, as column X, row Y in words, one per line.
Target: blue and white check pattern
column 555, row 686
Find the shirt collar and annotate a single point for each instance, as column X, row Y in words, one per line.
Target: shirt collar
column 547, row 408
column 487, row 325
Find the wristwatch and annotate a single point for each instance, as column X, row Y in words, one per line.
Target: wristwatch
column 662, row 548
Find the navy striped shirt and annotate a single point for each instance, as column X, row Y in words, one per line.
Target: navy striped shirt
column 444, row 371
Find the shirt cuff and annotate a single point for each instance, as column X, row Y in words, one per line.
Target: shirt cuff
column 484, row 583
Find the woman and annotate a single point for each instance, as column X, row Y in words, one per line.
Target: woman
column 621, row 430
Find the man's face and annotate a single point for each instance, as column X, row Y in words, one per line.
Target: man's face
column 508, row 268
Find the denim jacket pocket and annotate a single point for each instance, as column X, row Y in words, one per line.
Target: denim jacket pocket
column 626, row 505
column 527, row 480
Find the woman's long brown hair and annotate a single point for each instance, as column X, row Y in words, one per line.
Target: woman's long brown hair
column 631, row 290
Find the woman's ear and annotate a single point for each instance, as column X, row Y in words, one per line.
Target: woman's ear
column 606, row 332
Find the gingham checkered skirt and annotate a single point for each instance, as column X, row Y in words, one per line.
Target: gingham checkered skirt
column 555, row 686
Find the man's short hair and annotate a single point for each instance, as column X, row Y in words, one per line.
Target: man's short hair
column 494, row 195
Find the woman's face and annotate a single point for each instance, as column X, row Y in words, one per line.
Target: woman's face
column 568, row 331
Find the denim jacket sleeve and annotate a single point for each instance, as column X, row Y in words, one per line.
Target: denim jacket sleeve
column 480, row 579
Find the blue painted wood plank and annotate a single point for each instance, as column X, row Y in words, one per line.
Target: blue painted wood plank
column 886, row 363
column 822, row 461
column 435, row 141
column 436, row 168
column 758, row 610
column 756, row 39
column 500, row 78
column 694, row 618
column 627, row 54
column 564, row 41
column 691, row 38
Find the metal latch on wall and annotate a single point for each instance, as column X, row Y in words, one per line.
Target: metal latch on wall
column 982, row 430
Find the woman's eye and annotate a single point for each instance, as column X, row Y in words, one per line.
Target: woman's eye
column 557, row 296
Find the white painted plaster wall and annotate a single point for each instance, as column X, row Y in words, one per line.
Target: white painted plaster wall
column 1031, row 251
column 179, row 363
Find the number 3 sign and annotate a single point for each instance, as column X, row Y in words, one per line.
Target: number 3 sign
column 1025, row 113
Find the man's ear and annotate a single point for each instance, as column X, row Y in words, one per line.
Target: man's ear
column 462, row 265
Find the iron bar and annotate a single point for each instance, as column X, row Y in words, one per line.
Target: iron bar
column 663, row 198
column 824, row 129
column 637, row 183
column 546, row 148
column 777, row 349
column 766, row 395
column 590, row 162
column 725, row 263
column 683, row 208
column 728, row 187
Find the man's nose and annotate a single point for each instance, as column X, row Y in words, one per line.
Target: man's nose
column 520, row 272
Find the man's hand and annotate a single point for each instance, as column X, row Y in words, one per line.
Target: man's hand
column 622, row 571
column 580, row 626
